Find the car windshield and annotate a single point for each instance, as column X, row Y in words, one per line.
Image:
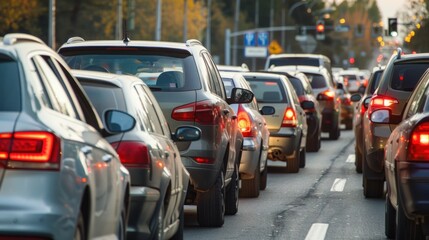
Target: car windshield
column 267, row 91
column 162, row 71
column 287, row 61
column 10, row 99
column 406, row 76
column 316, row 80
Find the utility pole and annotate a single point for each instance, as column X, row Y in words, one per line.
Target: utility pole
column 271, row 19
column 158, row 21
column 119, row 20
column 51, row 30
column 185, row 20
column 208, row 30
column 236, row 19
column 256, row 26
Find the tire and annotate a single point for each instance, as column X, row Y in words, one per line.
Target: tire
column 313, row 145
column 264, row 175
column 358, row 160
column 250, row 187
column 406, row 228
column 211, row 204
column 302, row 158
column 231, row 198
column 372, row 188
column 334, row 134
column 179, row 234
column 389, row 219
column 80, row 232
column 349, row 124
column 293, row 164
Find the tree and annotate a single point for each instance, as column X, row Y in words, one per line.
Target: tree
column 20, row 16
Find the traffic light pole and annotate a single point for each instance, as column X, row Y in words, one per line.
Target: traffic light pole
column 229, row 35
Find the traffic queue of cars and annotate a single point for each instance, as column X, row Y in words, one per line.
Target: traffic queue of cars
column 113, row 138
column 392, row 139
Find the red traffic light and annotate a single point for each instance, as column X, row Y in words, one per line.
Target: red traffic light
column 352, row 60
column 320, row 27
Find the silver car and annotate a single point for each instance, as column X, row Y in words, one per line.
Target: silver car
column 253, row 127
column 59, row 178
column 159, row 179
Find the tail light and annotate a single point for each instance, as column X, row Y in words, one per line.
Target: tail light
column 244, row 122
column 289, row 118
column 380, row 108
column 204, row 160
column 133, row 154
column 326, row 95
column 418, row 149
column 362, row 109
column 30, row 150
column 347, row 101
column 203, row 112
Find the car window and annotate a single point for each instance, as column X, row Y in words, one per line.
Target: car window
column 229, row 85
column 375, row 81
column 317, row 80
column 418, row 100
column 294, row 61
column 217, row 87
column 54, row 87
column 161, row 69
column 406, row 75
column 151, row 115
column 268, row 90
column 10, row 94
column 297, row 85
column 349, row 77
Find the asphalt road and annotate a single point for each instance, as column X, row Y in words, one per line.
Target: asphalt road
column 323, row 201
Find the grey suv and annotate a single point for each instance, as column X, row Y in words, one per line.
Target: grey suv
column 189, row 89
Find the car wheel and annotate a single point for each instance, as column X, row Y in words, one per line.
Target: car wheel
column 349, row 124
column 358, row 160
column 406, row 228
column 251, row 187
column 79, row 233
column 372, row 188
column 122, row 229
column 179, row 234
column 313, row 144
column 334, row 134
column 389, row 219
column 293, row 164
column 231, row 200
column 264, row 175
column 302, row 158
column 211, row 204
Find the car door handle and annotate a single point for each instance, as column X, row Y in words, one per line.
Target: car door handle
column 107, row 158
column 86, row 150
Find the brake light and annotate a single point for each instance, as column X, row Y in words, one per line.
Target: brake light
column 362, row 109
column 382, row 101
column 418, row 149
column 381, row 107
column 203, row 112
column 289, row 118
column 326, row 95
column 133, row 154
column 204, row 160
column 244, row 122
column 30, row 150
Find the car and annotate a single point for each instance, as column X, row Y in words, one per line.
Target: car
column 407, row 170
column 361, row 105
column 251, row 122
column 60, row 178
column 190, row 92
column 347, row 108
column 298, row 59
column 227, row 68
column 159, row 181
column 385, row 112
column 351, row 79
column 288, row 126
column 324, row 89
column 303, row 89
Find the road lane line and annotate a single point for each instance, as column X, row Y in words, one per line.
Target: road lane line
column 338, row 185
column 351, row 158
column 317, row 231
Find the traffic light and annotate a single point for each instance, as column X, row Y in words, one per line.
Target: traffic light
column 320, row 30
column 393, row 27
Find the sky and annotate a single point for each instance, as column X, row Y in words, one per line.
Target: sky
column 389, row 8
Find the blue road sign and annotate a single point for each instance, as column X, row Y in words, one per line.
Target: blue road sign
column 262, row 39
column 249, row 39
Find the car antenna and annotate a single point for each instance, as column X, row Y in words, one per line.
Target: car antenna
column 126, row 38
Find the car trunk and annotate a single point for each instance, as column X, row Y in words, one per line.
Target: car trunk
column 274, row 122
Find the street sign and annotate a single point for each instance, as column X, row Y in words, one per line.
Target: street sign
column 262, row 39
column 275, row 48
column 249, row 39
column 255, row 52
column 342, row 28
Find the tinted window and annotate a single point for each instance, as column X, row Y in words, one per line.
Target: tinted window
column 161, row 69
column 297, row 85
column 375, row 81
column 295, row 61
column 406, row 76
column 152, row 122
column 229, row 85
column 316, row 80
column 10, row 96
column 267, row 90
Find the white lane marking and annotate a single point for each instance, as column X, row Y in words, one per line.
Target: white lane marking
column 338, row 185
column 351, row 158
column 317, row 231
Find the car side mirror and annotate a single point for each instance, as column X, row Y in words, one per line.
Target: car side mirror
column 306, row 105
column 267, row 110
column 186, row 133
column 118, row 121
column 240, row 95
column 366, row 102
column 356, row 97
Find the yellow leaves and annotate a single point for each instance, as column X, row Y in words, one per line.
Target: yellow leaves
column 14, row 14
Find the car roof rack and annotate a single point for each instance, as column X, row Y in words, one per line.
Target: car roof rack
column 193, row 42
column 399, row 50
column 12, row 38
column 75, row 40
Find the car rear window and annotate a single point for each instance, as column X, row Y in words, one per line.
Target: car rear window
column 349, row 77
column 316, row 80
column 267, row 90
column 104, row 96
column 161, row 69
column 10, row 95
column 297, row 85
column 229, row 85
column 406, row 75
column 287, row 61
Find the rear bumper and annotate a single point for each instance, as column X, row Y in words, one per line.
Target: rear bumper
column 329, row 120
column 143, row 204
column 283, row 146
